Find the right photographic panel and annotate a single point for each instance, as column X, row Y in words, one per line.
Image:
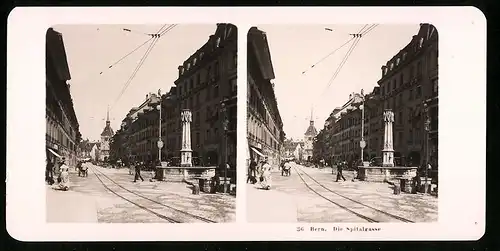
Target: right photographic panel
column 342, row 123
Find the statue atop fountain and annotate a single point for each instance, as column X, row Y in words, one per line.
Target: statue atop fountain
column 186, row 152
column 388, row 171
column 388, row 151
column 187, row 171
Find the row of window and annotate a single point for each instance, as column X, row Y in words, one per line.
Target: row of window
column 210, row 93
column 414, row 137
column 199, row 57
column 54, row 131
column 204, row 75
column 172, row 126
column 149, row 133
column 260, row 132
column 211, row 135
column 395, row 63
column 397, row 81
column 258, row 104
column 397, row 101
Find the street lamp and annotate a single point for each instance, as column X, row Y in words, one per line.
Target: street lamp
column 225, row 127
column 160, row 142
column 362, row 143
column 123, row 129
column 427, row 124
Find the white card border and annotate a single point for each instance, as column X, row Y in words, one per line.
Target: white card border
column 462, row 138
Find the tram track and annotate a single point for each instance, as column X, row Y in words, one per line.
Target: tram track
column 366, row 212
column 187, row 217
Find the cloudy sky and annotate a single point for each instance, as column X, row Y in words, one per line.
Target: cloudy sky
column 294, row 49
column 92, row 48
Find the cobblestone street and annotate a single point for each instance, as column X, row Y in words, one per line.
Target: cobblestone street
column 113, row 209
column 312, row 208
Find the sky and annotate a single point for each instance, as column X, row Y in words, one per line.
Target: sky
column 295, row 48
column 91, row 49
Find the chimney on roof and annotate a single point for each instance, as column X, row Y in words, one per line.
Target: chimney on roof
column 180, row 68
column 384, row 68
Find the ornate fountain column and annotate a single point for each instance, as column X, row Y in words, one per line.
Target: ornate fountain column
column 388, row 151
column 186, row 159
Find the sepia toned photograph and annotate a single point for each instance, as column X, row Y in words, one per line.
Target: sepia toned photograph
column 141, row 123
column 342, row 123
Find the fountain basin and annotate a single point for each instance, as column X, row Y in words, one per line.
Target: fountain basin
column 182, row 173
column 386, row 174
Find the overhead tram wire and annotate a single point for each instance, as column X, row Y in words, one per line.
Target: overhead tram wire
column 130, row 53
column 121, row 59
column 137, row 48
column 357, row 37
column 139, row 65
column 143, row 59
column 338, row 48
column 328, row 55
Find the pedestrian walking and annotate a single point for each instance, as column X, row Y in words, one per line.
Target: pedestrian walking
column 49, row 175
column 266, row 175
column 138, row 173
column 64, row 178
column 153, row 170
column 252, row 169
column 355, row 173
column 57, row 169
column 131, row 167
column 339, row 173
column 78, row 168
column 287, row 169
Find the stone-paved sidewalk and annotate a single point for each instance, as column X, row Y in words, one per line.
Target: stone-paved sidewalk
column 112, row 209
column 269, row 205
column 69, row 207
column 414, row 207
column 313, row 208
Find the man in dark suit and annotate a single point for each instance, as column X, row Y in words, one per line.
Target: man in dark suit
column 252, row 172
column 339, row 172
column 138, row 172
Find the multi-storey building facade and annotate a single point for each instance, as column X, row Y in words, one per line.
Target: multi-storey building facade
column 409, row 80
column 95, row 151
column 62, row 128
column 264, row 125
column 350, row 125
column 293, row 149
column 84, row 149
column 338, row 127
column 309, row 136
column 106, row 135
column 207, row 86
column 141, row 129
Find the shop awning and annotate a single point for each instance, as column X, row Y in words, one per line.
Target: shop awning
column 52, row 151
column 247, row 152
column 257, row 152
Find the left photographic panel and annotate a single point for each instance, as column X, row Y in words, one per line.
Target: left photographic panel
column 141, row 123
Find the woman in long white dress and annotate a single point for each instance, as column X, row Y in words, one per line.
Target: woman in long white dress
column 64, row 184
column 266, row 175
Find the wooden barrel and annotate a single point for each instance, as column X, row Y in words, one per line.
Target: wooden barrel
column 196, row 189
column 397, row 189
column 206, row 186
